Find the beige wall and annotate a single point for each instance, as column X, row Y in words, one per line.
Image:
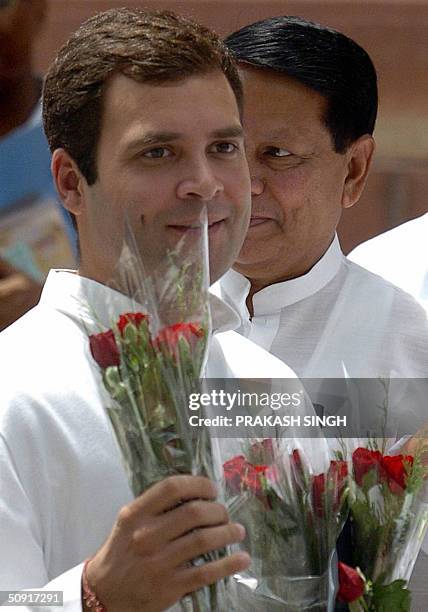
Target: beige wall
column 394, row 32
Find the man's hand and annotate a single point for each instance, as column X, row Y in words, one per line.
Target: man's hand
column 144, row 564
column 18, row 293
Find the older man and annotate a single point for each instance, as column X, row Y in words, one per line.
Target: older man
column 310, row 110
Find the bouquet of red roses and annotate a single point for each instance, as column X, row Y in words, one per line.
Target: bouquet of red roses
column 148, row 377
column 388, row 519
column 151, row 359
column 293, row 517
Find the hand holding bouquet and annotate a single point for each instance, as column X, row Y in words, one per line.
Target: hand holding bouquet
column 151, row 359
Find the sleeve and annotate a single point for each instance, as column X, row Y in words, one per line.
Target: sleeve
column 22, row 564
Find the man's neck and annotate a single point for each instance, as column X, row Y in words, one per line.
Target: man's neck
column 259, row 283
column 17, row 102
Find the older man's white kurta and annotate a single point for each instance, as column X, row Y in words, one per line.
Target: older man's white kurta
column 338, row 319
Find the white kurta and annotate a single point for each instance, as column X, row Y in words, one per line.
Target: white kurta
column 337, row 319
column 61, row 478
column 400, row 256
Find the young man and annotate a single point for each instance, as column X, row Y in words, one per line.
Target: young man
column 310, row 109
column 142, row 114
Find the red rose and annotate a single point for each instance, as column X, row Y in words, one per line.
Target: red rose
column 296, row 462
column 169, row 336
column 318, row 490
column 351, row 585
column 232, row 473
column 340, row 470
column 104, row 349
column 243, row 476
column 394, row 467
column 262, row 451
column 299, row 469
column 365, row 460
column 136, row 318
column 250, row 480
column 337, row 473
column 260, row 469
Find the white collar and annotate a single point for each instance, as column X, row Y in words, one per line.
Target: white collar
column 274, row 297
column 96, row 305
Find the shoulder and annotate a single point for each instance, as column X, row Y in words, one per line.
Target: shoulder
column 46, row 371
column 246, row 359
column 393, row 247
column 379, row 288
column 43, row 338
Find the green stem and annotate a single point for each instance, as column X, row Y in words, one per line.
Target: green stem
column 359, row 605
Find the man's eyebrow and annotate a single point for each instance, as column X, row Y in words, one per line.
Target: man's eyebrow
column 151, row 138
column 234, row 131
column 155, row 138
column 278, row 134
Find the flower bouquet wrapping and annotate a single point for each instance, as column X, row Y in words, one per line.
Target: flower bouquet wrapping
column 293, row 515
column 389, row 517
column 151, row 358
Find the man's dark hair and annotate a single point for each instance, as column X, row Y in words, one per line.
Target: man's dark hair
column 146, row 46
column 322, row 59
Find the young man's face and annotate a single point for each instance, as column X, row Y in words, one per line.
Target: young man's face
column 164, row 152
column 299, row 178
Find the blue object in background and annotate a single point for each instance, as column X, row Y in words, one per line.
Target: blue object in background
column 25, row 169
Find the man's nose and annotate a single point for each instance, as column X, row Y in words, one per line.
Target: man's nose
column 257, row 185
column 200, row 182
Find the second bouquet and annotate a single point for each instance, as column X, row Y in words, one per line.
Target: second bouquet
column 293, row 512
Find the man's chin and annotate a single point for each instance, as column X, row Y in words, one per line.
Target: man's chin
column 219, row 268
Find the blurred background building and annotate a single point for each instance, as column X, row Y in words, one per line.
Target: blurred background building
column 394, row 32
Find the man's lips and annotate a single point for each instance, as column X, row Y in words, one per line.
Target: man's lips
column 196, row 227
column 258, row 220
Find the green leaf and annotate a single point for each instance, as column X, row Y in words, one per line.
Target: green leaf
column 391, row 597
column 370, row 479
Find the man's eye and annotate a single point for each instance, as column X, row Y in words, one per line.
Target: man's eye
column 277, row 152
column 157, row 153
column 225, row 147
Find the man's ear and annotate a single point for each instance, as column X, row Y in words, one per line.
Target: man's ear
column 360, row 155
column 69, row 181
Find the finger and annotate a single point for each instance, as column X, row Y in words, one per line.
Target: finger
column 195, row 578
column 171, row 492
column 159, row 531
column 178, row 489
column 205, row 540
column 189, row 516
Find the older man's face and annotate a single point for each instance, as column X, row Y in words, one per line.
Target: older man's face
column 298, row 178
